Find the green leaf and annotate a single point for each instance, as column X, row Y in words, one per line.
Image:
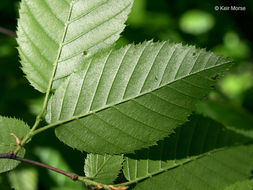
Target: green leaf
column 103, row 168
column 242, row 185
column 127, row 99
column 8, row 143
column 235, row 118
column 214, row 171
column 63, row 32
column 191, row 141
column 24, row 179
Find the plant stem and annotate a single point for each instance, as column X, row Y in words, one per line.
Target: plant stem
column 72, row 176
column 14, row 157
column 8, row 32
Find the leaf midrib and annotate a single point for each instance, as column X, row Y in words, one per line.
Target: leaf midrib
column 101, row 167
column 188, row 160
column 128, row 99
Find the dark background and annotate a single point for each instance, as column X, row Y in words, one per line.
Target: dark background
column 195, row 22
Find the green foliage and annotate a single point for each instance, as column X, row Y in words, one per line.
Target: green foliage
column 103, row 169
column 196, row 22
column 8, row 142
column 127, row 99
column 65, row 32
column 191, row 141
column 24, row 179
column 52, row 157
column 214, row 171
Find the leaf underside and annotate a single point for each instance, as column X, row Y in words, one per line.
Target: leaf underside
column 193, row 140
column 127, row 99
column 103, row 168
column 8, row 143
column 212, row 172
column 242, row 185
column 63, row 32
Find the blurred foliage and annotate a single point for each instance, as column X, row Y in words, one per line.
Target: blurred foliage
column 195, row 22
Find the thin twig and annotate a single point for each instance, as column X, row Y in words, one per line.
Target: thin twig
column 12, row 156
column 73, row 176
column 8, row 32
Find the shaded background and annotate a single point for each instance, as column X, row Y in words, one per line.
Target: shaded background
column 195, row 22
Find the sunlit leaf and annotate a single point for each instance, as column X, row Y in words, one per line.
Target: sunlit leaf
column 127, row 99
column 63, row 32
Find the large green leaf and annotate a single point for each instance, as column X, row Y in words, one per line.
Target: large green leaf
column 8, row 143
column 63, row 32
column 212, row 172
column 103, row 168
column 127, row 99
column 194, row 139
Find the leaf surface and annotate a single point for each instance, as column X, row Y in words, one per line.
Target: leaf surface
column 103, row 168
column 242, row 185
column 212, row 172
column 8, row 142
column 127, row 99
column 193, row 140
column 63, row 32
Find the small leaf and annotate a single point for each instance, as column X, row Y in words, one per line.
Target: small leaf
column 8, row 142
column 215, row 171
column 127, row 99
column 193, row 140
column 103, row 169
column 58, row 33
column 242, row 185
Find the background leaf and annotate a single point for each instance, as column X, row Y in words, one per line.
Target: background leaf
column 191, row 141
column 8, row 143
column 53, row 158
column 24, row 179
column 63, row 32
column 103, row 169
column 130, row 98
column 214, row 171
column 233, row 117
